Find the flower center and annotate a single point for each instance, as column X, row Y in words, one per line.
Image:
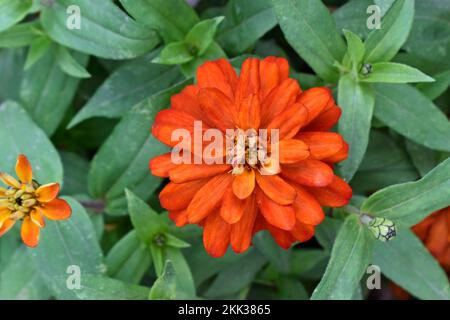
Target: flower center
column 20, row 201
column 248, row 151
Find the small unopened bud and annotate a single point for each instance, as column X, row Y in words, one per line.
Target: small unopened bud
column 160, row 240
column 366, row 69
column 29, row 203
column 382, row 228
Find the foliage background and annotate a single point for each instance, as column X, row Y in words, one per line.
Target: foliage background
column 80, row 103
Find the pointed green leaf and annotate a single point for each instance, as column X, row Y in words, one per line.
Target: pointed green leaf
column 357, row 103
column 311, row 31
column 407, row 111
column 407, row 262
column 350, row 256
column 12, row 12
column 408, row 203
column 20, row 135
column 390, row 72
column 174, row 53
column 355, row 48
column 171, row 18
column 383, row 44
column 437, row 88
column 129, row 259
column 202, row 34
column 19, row 35
column 69, row 65
column 165, row 287
column 37, row 49
column 67, row 243
column 105, row 30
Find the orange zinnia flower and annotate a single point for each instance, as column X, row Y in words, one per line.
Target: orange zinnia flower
column 233, row 202
column 27, row 200
column 434, row 231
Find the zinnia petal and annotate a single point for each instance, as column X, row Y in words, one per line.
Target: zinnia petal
column 161, row 165
column 179, row 217
column 37, row 218
column 29, row 232
column 279, row 216
column 249, row 113
column 23, row 169
column 292, row 150
column 232, row 207
column 216, row 235
column 276, row 188
column 189, row 172
column 57, row 209
column 289, row 121
column 302, row 232
column 242, row 231
column 218, row 74
column 6, row 226
column 272, row 72
column 309, row 172
column 220, row 110
column 177, row 196
column 208, row 197
column 4, row 214
column 47, row 192
column 244, row 183
column 336, row 194
column 325, row 120
column 322, row 144
column 9, row 180
column 315, row 100
column 248, row 82
column 307, row 208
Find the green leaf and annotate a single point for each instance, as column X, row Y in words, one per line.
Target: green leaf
column 213, row 52
column 413, row 267
column 128, row 85
column 19, row 135
column 95, row 287
column 20, row 35
column 245, row 22
column 357, row 103
column 390, row 72
column 147, row 223
column 327, row 231
column 430, row 34
column 384, row 163
column 69, row 64
column 437, row 88
column 66, row 243
column 309, row 263
column 12, row 12
column 291, row 288
column 279, row 257
column 202, row 34
column 11, row 64
column 20, row 280
column 353, row 16
column 408, row 112
column 351, row 254
column 311, row 31
column 105, row 30
column 129, row 259
column 75, row 173
column 204, row 266
column 383, row 44
column 423, row 158
column 122, row 161
column 171, row 18
column 355, row 48
column 408, row 203
column 37, row 49
column 384, row 5
column 165, row 287
column 185, row 282
column 47, row 92
column 174, row 53
column 175, row 242
column 237, row 276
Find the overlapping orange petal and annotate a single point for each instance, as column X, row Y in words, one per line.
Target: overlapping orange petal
column 23, row 169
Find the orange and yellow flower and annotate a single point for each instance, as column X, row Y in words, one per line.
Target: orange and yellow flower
column 26, row 200
column 233, row 203
column 434, row 231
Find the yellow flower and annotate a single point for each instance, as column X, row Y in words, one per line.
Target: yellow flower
column 26, row 200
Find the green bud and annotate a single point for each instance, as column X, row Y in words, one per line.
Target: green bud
column 382, row 228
